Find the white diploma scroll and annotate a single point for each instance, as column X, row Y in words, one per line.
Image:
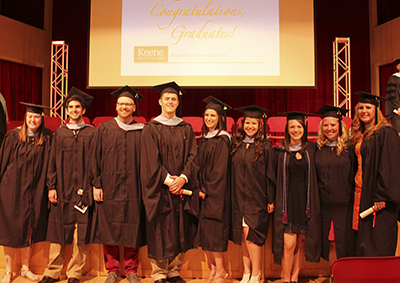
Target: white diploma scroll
column 367, row 212
column 395, row 111
column 186, row 192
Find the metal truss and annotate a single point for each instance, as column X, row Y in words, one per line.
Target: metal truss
column 59, row 78
column 341, row 73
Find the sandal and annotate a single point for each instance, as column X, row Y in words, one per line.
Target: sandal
column 221, row 278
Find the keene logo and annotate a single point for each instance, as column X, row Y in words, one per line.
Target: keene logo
column 151, row 54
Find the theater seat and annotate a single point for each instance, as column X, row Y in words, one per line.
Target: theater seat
column 196, row 123
column 52, row 123
column 101, row 119
column 276, row 128
column 366, row 270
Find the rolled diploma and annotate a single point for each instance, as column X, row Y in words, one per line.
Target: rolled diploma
column 186, row 192
column 395, row 111
column 367, row 212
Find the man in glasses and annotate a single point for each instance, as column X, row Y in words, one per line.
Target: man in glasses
column 118, row 208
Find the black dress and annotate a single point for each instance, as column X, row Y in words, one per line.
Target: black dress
column 297, row 195
column 214, row 156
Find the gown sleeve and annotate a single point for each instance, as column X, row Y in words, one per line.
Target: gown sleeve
column 388, row 167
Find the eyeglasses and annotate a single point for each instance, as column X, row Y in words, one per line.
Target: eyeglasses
column 125, row 104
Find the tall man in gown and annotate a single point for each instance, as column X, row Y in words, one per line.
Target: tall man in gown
column 118, row 209
column 393, row 94
column 169, row 150
column 3, row 118
column 68, row 185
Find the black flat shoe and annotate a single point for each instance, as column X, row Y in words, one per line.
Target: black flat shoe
column 176, row 279
column 47, row 279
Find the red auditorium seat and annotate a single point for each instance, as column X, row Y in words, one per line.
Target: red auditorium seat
column 366, row 269
column 52, row 123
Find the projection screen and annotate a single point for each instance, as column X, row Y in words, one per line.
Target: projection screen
column 202, row 43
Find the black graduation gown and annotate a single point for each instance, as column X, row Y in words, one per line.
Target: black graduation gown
column 171, row 222
column 393, row 93
column 119, row 219
column 313, row 225
column 380, row 182
column 67, row 173
column 253, row 188
column 336, row 190
column 23, row 194
column 214, row 158
column 3, row 123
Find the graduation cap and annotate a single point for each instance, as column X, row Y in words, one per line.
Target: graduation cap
column 255, row 112
column 34, row 108
column 333, row 111
column 127, row 91
column 87, row 99
column 217, row 105
column 297, row 115
column 370, row 98
column 171, row 87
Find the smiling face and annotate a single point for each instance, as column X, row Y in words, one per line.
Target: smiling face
column 366, row 112
column 168, row 102
column 330, row 128
column 296, row 131
column 251, row 126
column 33, row 121
column 75, row 111
column 125, row 107
column 211, row 119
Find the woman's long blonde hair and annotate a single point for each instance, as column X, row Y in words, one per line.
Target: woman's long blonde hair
column 359, row 128
column 342, row 142
column 40, row 136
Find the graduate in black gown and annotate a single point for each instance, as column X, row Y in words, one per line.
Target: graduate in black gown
column 253, row 190
column 169, row 165
column 24, row 157
column 393, row 94
column 118, row 214
column 377, row 147
column 3, row 118
column 334, row 166
column 214, row 159
column 68, row 184
column 297, row 219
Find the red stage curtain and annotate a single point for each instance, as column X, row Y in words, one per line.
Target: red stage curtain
column 19, row 83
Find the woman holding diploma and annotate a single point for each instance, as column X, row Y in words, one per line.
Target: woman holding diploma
column 297, row 219
column 214, row 148
column 253, row 190
column 377, row 147
column 334, row 167
column 24, row 156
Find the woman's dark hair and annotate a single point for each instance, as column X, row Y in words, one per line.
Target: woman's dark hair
column 258, row 139
column 220, row 125
column 286, row 141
